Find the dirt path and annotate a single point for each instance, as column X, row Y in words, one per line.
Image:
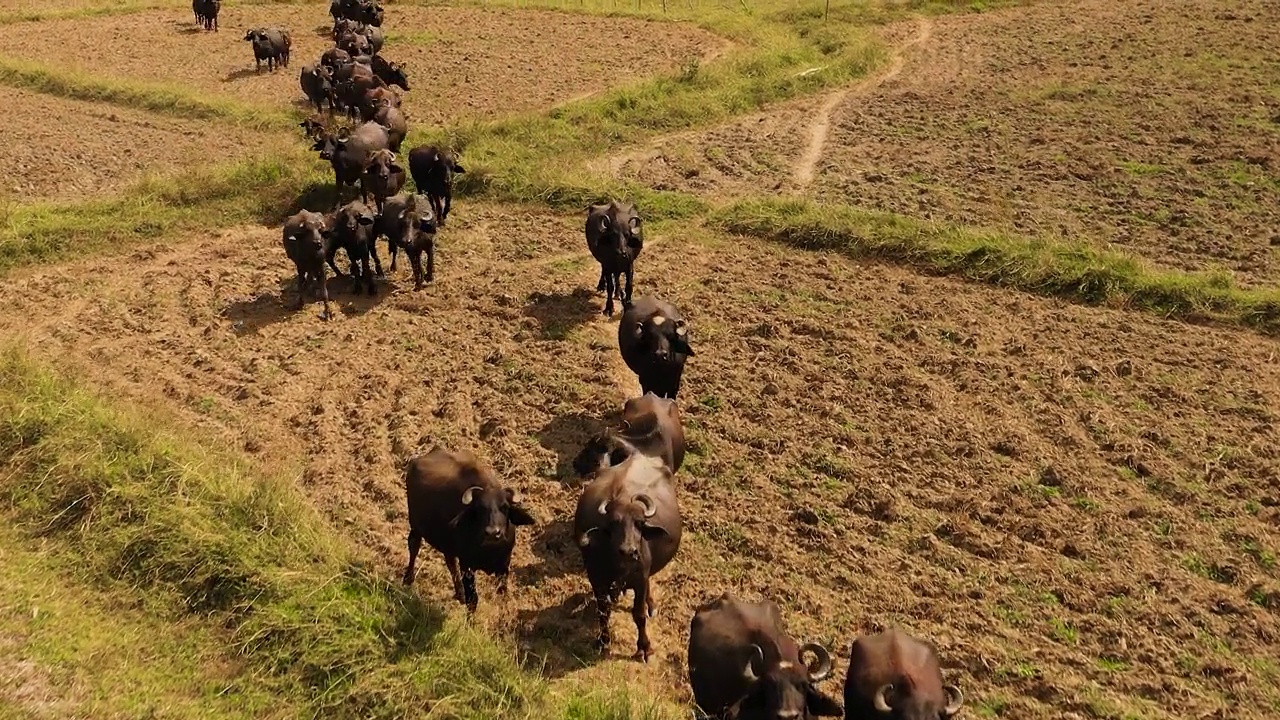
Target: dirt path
column 803, row 174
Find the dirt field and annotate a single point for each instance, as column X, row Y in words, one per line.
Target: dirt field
column 1086, row 119
column 462, row 63
column 1079, row 505
column 100, row 149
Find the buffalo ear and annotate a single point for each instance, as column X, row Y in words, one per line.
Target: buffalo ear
column 458, row 169
column 652, row 532
column 517, row 515
column 682, row 346
column 396, row 169
column 821, row 704
column 365, row 220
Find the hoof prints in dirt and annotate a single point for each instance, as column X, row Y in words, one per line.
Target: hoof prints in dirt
column 1073, row 502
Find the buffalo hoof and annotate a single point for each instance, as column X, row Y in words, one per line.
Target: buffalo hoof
column 408, row 578
column 641, row 655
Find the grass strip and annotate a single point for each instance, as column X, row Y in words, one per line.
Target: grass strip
column 159, row 98
column 1072, row 270
column 266, row 191
column 186, row 534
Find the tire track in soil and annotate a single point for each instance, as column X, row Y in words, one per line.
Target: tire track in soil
column 807, row 165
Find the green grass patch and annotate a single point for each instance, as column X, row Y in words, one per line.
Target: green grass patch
column 83, row 652
column 265, row 190
column 188, row 535
column 104, row 9
column 1073, row 270
column 159, row 98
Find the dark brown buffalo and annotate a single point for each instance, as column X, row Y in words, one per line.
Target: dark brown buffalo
column 383, row 177
column 893, row 676
column 654, row 341
column 270, row 44
column 650, row 425
column 743, row 665
column 457, row 505
column 353, row 232
column 306, row 243
column 628, row 528
column 409, row 224
column 615, row 238
column 317, row 85
column 433, row 170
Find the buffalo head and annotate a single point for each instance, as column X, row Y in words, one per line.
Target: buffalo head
column 783, row 690
column 490, row 514
column 907, row 705
column 625, row 526
column 664, row 337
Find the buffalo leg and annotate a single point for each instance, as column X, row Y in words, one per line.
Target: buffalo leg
column 373, row 250
column 328, row 257
column 415, row 259
column 324, row 292
column 302, row 289
column 451, row 562
column 638, row 615
column 415, row 542
column 368, row 277
column 626, row 301
column 608, row 295
column 469, row 588
column 393, row 250
column 600, row 286
column 431, row 259
column 604, row 608
column 448, row 203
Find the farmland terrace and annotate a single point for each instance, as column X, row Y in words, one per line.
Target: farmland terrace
column 982, row 297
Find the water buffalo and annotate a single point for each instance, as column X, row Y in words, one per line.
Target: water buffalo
column 615, row 238
column 408, row 222
column 433, row 170
column 893, row 676
column 457, row 504
column 628, row 528
column 271, row 45
column 654, row 341
column 743, row 664
column 650, row 426
column 306, row 243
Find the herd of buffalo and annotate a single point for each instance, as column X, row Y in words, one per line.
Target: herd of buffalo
column 742, row 663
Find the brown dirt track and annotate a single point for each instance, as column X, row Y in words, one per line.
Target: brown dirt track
column 1078, row 504
column 503, row 62
column 1086, row 119
column 99, row 149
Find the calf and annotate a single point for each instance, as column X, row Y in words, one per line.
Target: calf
column 317, row 85
column 615, row 238
column 433, row 170
column 409, row 223
column 314, row 128
column 457, row 504
column 628, row 528
column 373, row 100
column 893, row 676
column 650, row 426
column 307, row 244
column 382, row 176
column 743, row 665
column 271, row 45
column 353, row 232
column 353, row 81
column 654, row 341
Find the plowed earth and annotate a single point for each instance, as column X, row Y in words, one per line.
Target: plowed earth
column 461, row 62
column 1096, row 121
column 1078, row 505
column 75, row 150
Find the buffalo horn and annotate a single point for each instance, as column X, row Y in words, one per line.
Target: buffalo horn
column 881, row 700
column 749, row 672
column 469, row 494
column 955, row 699
column 647, row 502
column 822, row 669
